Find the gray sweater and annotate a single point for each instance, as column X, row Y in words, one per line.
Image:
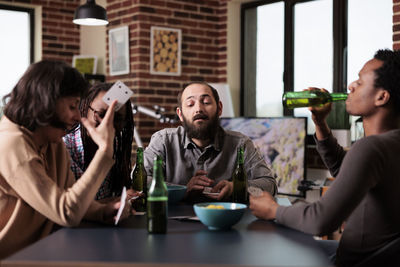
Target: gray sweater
column 365, row 194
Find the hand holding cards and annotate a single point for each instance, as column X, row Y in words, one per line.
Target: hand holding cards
column 120, row 92
column 207, row 191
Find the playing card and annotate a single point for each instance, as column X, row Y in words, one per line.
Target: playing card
column 207, row 191
column 121, row 208
column 120, row 92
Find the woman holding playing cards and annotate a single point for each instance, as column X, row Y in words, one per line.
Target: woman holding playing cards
column 37, row 188
column 82, row 148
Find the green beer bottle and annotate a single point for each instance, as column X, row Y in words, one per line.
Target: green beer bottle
column 157, row 200
column 139, row 181
column 310, row 98
column 239, row 178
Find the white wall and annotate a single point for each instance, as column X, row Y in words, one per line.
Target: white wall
column 93, row 41
column 233, row 51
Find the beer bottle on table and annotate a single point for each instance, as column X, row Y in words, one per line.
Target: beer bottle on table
column 310, row 98
column 139, row 181
column 157, row 200
column 239, row 179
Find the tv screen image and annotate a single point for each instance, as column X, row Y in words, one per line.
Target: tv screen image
column 282, row 142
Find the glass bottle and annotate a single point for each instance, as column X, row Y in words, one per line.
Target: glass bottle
column 139, row 181
column 310, row 98
column 157, row 200
column 239, row 178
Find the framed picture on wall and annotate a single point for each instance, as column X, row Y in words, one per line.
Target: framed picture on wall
column 85, row 64
column 118, row 39
column 165, row 51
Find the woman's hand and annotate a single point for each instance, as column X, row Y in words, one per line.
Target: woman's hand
column 264, row 206
column 111, row 210
column 103, row 135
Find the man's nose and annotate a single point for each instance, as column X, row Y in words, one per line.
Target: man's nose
column 351, row 86
column 199, row 107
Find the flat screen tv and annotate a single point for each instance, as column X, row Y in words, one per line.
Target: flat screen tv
column 282, row 142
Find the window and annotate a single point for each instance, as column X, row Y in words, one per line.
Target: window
column 16, row 47
column 290, row 45
column 369, row 29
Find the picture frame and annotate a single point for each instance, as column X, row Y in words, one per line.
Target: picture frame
column 85, row 64
column 118, row 40
column 165, row 51
column 282, row 143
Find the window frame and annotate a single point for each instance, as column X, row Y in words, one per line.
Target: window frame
column 339, row 31
column 31, row 12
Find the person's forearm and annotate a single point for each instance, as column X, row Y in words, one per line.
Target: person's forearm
column 267, row 184
column 322, row 130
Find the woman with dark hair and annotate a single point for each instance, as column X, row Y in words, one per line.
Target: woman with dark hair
column 37, row 188
column 82, row 148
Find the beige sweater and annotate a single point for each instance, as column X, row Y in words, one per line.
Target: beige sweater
column 38, row 189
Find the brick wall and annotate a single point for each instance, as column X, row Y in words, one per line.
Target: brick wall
column 60, row 37
column 204, row 30
column 396, row 24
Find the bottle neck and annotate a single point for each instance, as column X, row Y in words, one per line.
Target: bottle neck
column 158, row 174
column 338, row 96
column 240, row 156
column 139, row 156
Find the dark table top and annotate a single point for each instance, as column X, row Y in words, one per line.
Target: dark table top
column 251, row 242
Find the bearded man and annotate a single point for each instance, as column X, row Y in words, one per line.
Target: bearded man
column 201, row 153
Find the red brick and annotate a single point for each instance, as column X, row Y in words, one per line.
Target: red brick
column 396, row 18
column 396, row 37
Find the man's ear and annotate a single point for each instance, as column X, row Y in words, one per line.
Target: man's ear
column 382, row 98
column 219, row 108
column 179, row 113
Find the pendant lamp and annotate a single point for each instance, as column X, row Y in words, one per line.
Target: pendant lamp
column 90, row 14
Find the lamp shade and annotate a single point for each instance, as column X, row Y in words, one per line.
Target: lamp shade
column 90, row 14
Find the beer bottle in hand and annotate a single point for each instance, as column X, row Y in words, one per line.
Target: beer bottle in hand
column 139, row 181
column 310, row 98
column 157, row 200
column 239, row 179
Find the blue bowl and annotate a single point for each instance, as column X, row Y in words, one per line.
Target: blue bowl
column 219, row 218
column 176, row 193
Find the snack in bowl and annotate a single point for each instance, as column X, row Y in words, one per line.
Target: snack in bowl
column 219, row 215
column 212, row 206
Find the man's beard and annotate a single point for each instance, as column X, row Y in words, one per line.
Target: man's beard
column 205, row 131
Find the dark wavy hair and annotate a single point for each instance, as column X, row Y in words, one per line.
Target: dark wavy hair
column 121, row 170
column 388, row 75
column 213, row 90
column 32, row 102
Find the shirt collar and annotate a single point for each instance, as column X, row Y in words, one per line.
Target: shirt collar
column 217, row 144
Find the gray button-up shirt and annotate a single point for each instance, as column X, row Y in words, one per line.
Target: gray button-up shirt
column 182, row 158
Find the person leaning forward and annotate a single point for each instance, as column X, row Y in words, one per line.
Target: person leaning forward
column 37, row 188
column 366, row 190
column 200, row 153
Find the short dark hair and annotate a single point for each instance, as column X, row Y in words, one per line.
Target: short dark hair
column 214, row 92
column 388, row 75
column 32, row 102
